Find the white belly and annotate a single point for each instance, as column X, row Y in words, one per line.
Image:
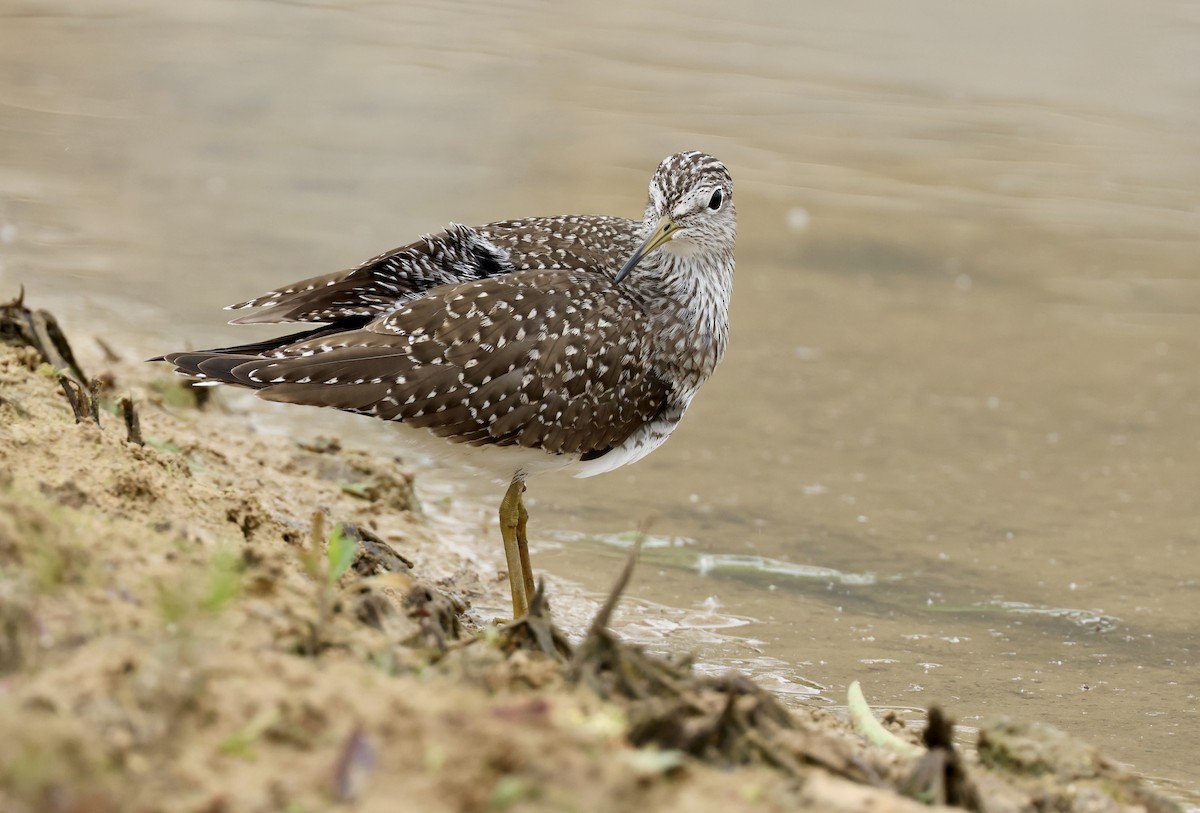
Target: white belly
column 636, row 446
column 505, row 462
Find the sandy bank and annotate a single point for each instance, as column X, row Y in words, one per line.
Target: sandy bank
column 183, row 627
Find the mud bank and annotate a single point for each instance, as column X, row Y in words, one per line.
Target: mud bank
column 194, row 617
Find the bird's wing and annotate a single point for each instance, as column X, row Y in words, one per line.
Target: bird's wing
column 458, row 254
column 381, row 283
column 552, row 360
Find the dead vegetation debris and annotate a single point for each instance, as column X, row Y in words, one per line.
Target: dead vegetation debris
column 39, row 331
column 22, row 327
column 724, row 720
column 940, row 776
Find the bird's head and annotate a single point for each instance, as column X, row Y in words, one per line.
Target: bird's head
column 690, row 209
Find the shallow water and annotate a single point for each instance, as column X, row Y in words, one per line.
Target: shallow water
column 954, row 450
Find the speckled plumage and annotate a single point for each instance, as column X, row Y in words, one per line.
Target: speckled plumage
column 515, row 334
column 551, row 360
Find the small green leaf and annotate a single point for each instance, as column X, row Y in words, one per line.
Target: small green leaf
column 163, row 445
column 241, row 743
column 224, row 581
column 864, row 722
column 341, row 552
column 360, row 488
column 508, row 791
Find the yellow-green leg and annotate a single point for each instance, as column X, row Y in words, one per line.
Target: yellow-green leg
column 523, row 545
column 516, row 550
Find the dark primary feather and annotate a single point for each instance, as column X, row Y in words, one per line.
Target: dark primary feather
column 554, row 360
column 458, row 254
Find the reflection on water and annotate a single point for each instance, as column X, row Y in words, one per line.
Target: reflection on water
column 965, row 324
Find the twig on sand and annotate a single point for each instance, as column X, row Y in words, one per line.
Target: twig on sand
column 133, row 426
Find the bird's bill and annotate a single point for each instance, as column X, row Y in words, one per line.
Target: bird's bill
column 664, row 231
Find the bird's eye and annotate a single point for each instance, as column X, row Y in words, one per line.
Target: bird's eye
column 715, row 202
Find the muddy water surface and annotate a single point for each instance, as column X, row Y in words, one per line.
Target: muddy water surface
column 954, row 451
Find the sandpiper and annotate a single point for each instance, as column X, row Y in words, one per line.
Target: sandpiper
column 531, row 345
